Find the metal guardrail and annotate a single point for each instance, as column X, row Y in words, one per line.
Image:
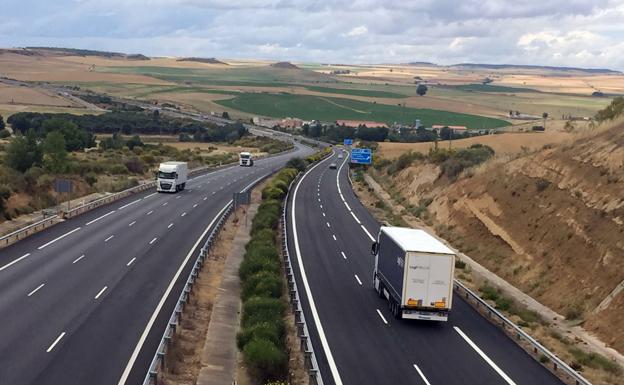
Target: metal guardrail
column 553, row 363
column 27, row 230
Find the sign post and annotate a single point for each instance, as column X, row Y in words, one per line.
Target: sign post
column 361, row 156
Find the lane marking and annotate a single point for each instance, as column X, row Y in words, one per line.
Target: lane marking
column 151, row 211
column 382, row 317
column 183, row 214
column 367, row 233
column 328, row 224
column 78, row 259
column 131, row 223
column 358, row 279
column 214, row 192
column 195, row 205
column 59, row 238
column 101, row 292
column 324, row 214
column 56, row 341
column 333, row 235
column 130, row 263
column 343, row 255
column 109, row 238
column 15, row 261
column 131, row 203
column 153, row 240
column 205, row 198
column 321, row 206
column 421, row 375
column 348, row 208
column 34, row 291
column 356, row 218
column 170, row 225
column 178, row 197
column 317, row 321
column 165, row 204
column 484, row 356
column 150, row 323
column 98, row 218
column 150, row 195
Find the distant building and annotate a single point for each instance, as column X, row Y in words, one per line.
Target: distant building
column 290, row 123
column 438, row 127
column 358, row 123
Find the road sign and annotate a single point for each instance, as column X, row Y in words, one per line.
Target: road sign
column 348, row 142
column 361, row 156
column 63, row 186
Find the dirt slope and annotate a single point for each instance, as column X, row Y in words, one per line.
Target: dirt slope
column 551, row 223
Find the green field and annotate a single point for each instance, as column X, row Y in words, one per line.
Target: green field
column 478, row 87
column 357, row 92
column 329, row 109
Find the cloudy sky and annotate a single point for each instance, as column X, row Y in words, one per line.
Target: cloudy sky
column 580, row 33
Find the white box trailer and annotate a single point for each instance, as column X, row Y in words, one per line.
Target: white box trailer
column 172, row 177
column 414, row 272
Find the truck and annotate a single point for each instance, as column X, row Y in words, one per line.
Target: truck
column 171, row 177
column 245, row 159
column 414, row 272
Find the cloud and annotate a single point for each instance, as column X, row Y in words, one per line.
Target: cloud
column 357, row 31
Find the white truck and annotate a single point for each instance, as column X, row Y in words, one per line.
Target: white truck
column 172, row 177
column 245, row 159
column 414, row 272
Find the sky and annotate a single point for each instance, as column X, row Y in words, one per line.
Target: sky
column 577, row 33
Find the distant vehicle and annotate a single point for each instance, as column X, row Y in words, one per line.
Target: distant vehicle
column 332, row 166
column 245, row 159
column 172, row 176
column 340, row 156
column 414, row 272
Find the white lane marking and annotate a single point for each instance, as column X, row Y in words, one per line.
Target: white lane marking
column 328, row 224
column 98, row 218
column 150, row 212
column 130, row 263
column 484, row 356
column 131, row 223
column 348, row 208
column 150, row 195
column 131, row 203
column 78, row 259
column 214, row 192
column 317, row 321
column 356, row 218
column 195, row 205
column 109, row 238
column 205, row 198
column 165, row 204
column 421, row 375
column 170, row 225
column 321, row 206
column 15, row 261
column 343, row 255
column 334, row 237
column 101, row 292
column 59, row 238
column 319, row 199
column 56, row 341
column 153, row 240
column 178, row 197
column 324, row 214
column 150, row 323
column 34, row 291
column 358, row 279
column 382, row 317
column 183, row 214
column 367, row 233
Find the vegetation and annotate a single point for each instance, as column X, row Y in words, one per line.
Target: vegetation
column 421, row 89
column 490, row 88
column 357, row 92
column 612, row 111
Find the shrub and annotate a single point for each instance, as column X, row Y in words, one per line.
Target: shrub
column 135, row 165
column 541, row 184
column 459, row 264
column 271, row 192
column 118, row 169
column 91, row 178
column 297, row 164
column 280, row 184
column 267, row 216
column 264, row 237
column 264, row 284
column 489, row 292
column 595, row 360
column 4, row 133
column 272, row 331
column 265, row 358
column 503, row 303
column 255, row 263
column 258, row 309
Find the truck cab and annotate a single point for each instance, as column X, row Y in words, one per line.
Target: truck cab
column 245, row 159
column 172, row 177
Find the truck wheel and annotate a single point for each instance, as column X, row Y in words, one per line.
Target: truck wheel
column 183, row 186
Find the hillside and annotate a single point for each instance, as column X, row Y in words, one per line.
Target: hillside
column 550, row 222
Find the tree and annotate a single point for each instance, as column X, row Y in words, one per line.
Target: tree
column 134, row 142
column 23, row 152
column 2, row 125
column 75, row 138
column 545, row 116
column 225, row 115
column 54, row 152
column 421, row 89
column 445, row 133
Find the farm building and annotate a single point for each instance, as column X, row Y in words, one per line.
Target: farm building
column 358, row 123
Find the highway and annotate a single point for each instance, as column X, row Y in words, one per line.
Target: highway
column 355, row 338
column 87, row 300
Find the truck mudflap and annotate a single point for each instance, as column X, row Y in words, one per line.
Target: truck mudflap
column 425, row 315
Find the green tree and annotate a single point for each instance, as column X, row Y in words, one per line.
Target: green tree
column 23, row 152
column 422, row 89
column 2, row 125
column 225, row 115
column 54, row 152
column 445, row 133
column 75, row 138
column 545, row 116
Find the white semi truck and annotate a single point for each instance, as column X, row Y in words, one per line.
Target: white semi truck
column 414, row 272
column 172, row 177
column 245, row 159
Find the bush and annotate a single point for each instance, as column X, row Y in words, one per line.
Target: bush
column 272, row 331
column 595, row 360
column 541, row 184
column 264, row 237
column 271, row 192
column 255, row 263
column 489, row 292
column 263, row 284
column 118, row 169
column 265, row 358
column 267, row 216
column 280, row 184
column 297, row 164
column 258, row 309
column 4, row 133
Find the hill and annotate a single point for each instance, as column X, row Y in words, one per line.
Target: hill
column 209, row 60
column 85, row 52
column 532, row 67
column 284, row 64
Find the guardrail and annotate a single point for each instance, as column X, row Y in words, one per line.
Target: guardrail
column 18, row 234
column 553, row 363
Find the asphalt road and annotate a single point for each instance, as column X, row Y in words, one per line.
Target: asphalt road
column 84, row 302
column 356, row 339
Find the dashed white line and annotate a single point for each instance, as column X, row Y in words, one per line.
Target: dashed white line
column 153, row 240
column 170, row 225
column 14, row 262
column 183, row 214
column 101, row 292
column 131, row 203
column 484, row 356
column 109, row 238
column 321, row 206
column 195, row 205
column 56, row 341
column 59, row 238
column 421, row 375
column 34, row 291
column 178, row 197
column 367, row 233
column 382, row 317
column 324, row 214
column 131, row 223
column 131, row 261
column 98, row 218
column 165, row 204
column 205, row 198
column 214, row 192
column 150, row 212
column 343, row 255
column 334, row 237
column 356, row 218
column 78, row 259
column 358, row 279
column 328, row 224
column 150, row 195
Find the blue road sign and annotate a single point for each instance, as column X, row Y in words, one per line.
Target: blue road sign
column 348, row 142
column 361, row 156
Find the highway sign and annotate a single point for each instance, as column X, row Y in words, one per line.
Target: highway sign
column 361, row 156
column 348, row 142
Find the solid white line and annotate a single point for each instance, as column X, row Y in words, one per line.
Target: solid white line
column 382, row 317
column 183, row 214
column 78, row 259
column 334, row 237
column 343, row 255
column 150, row 323
column 421, row 375
column 484, row 356
column 97, row 219
column 153, row 240
column 101, row 292
column 109, row 238
column 131, row 203
column 317, row 321
column 356, row 218
column 358, row 279
column 131, row 223
column 130, row 263
column 56, row 341
column 61, row 237
column 150, row 195
column 16, row 261
column 367, row 233
column 151, row 211
column 34, row 291
column 170, row 224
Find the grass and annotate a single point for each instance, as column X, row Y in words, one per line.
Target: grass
column 477, row 87
column 357, row 92
column 595, row 360
column 330, row 109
